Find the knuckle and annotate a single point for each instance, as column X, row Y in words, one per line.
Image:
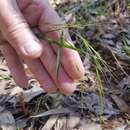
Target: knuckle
column 16, row 28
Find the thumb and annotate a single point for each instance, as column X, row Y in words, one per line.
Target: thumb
column 16, row 30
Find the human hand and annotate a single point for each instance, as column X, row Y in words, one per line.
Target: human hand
column 17, row 18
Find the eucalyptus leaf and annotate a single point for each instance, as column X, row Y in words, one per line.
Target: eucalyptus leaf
column 53, row 112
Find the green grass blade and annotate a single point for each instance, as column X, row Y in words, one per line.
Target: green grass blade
column 59, row 54
column 126, row 47
column 58, row 64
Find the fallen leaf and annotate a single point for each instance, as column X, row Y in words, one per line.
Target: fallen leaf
column 94, row 104
column 28, row 95
column 121, row 104
column 73, row 121
column 21, row 123
column 54, row 112
column 91, row 127
column 61, row 124
column 50, row 123
column 7, row 121
column 120, row 128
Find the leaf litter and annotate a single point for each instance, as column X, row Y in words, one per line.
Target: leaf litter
column 106, row 25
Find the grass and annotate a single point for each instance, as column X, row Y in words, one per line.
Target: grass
column 5, row 77
column 86, row 49
column 59, row 54
column 126, row 46
column 98, row 61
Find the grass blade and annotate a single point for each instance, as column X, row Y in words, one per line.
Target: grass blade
column 59, row 54
column 58, row 64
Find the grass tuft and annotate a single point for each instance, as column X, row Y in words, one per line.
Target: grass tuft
column 86, row 49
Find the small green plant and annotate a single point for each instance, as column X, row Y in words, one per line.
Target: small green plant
column 126, row 47
column 86, row 49
column 5, row 77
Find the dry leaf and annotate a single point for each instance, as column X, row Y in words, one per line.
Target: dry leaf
column 7, row 121
column 54, row 112
column 61, row 124
column 121, row 104
column 50, row 123
column 72, row 121
column 91, row 127
column 28, row 95
column 120, row 128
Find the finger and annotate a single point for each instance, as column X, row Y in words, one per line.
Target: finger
column 16, row 31
column 23, row 4
column 73, row 61
column 63, row 82
column 31, row 16
column 41, row 75
column 14, row 64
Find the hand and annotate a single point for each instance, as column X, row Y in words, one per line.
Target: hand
column 17, row 18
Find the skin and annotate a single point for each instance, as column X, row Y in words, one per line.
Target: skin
column 18, row 43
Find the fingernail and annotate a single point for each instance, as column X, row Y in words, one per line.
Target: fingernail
column 33, row 49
